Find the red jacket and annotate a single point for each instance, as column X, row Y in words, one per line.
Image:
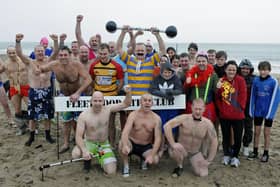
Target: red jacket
column 231, row 98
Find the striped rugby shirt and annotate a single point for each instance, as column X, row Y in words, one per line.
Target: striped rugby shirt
column 140, row 74
column 105, row 76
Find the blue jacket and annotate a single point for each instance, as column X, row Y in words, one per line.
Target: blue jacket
column 265, row 96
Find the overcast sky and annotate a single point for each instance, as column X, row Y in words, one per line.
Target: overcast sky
column 249, row 21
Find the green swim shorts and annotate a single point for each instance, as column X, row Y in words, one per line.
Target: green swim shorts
column 105, row 147
column 69, row 116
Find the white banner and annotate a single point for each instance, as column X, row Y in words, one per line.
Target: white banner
column 63, row 104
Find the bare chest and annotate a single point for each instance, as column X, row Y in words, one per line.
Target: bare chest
column 144, row 125
column 100, row 121
column 16, row 67
column 194, row 130
column 66, row 75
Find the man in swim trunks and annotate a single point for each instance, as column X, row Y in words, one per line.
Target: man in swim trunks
column 40, row 94
column 16, row 72
column 92, row 132
column 68, row 74
column 107, row 76
column 193, row 131
column 141, row 135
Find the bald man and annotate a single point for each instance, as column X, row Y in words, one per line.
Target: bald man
column 193, row 131
column 84, row 59
column 141, row 135
column 92, row 132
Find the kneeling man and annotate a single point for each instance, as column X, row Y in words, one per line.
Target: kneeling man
column 92, row 132
column 141, row 135
column 194, row 130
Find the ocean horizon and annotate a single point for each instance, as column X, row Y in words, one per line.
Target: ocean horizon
column 255, row 52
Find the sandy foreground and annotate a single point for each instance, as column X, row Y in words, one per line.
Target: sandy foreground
column 19, row 166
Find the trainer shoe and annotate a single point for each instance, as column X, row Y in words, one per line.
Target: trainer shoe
column 234, row 162
column 246, row 151
column 226, row 160
column 144, row 165
column 252, row 156
column 125, row 172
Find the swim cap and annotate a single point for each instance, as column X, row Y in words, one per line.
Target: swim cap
column 44, row 40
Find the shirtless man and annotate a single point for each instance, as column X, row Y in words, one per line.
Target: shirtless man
column 193, row 131
column 3, row 96
column 92, row 132
column 141, row 135
column 16, row 72
column 40, row 93
column 68, row 74
column 94, row 41
column 84, row 59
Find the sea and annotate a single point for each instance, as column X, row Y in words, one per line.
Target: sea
column 236, row 51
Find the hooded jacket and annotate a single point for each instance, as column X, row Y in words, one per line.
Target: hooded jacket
column 166, row 87
column 265, row 96
column 248, row 79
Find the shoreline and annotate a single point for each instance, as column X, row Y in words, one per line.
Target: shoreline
column 276, row 75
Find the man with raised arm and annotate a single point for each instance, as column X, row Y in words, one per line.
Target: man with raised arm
column 94, row 41
column 141, row 135
column 40, row 94
column 92, row 132
column 68, row 74
column 139, row 68
column 16, row 72
column 193, row 131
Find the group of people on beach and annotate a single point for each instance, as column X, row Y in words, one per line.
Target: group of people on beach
column 219, row 93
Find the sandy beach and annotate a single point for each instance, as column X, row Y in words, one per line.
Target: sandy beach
column 20, row 166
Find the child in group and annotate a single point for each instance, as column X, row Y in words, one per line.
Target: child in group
column 264, row 101
column 166, row 85
column 175, row 61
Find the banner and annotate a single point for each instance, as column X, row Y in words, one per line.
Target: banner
column 63, row 104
